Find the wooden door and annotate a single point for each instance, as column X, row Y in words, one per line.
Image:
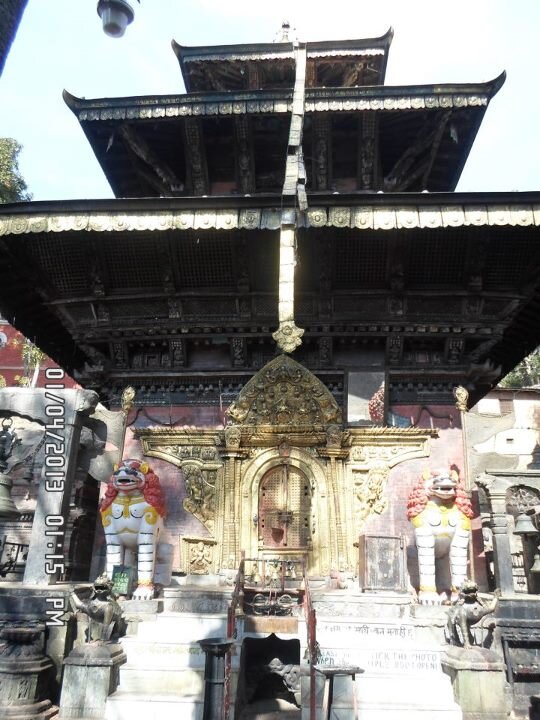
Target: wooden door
column 284, row 508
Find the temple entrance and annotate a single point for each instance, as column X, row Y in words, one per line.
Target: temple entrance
column 284, row 509
column 269, row 679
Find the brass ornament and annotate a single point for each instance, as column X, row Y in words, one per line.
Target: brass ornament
column 285, row 393
column 288, row 335
column 369, row 494
column 462, row 398
column 126, row 403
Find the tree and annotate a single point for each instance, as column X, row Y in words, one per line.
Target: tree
column 12, row 185
column 526, row 374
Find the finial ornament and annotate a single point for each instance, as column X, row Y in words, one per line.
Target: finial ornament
column 462, row 398
column 285, row 29
column 288, row 336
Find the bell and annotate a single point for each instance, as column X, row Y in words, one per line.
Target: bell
column 536, row 565
column 7, row 506
column 524, row 525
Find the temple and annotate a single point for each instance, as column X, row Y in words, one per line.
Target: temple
column 281, row 324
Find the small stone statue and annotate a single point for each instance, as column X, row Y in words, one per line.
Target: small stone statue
column 468, row 610
column 104, row 613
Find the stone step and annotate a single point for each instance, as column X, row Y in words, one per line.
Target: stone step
column 162, row 681
column 389, row 696
column 182, row 628
column 152, row 706
column 173, row 655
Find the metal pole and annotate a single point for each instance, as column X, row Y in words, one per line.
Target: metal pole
column 215, row 650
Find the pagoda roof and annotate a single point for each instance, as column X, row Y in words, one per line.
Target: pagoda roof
column 148, row 291
column 391, row 138
column 259, row 66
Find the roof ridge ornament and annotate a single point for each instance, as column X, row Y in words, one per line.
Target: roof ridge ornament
column 283, row 35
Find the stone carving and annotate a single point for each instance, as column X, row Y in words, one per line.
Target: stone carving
column 103, row 611
column 200, row 559
column 369, row 494
column 284, row 393
column 233, row 437
column 201, row 494
column 440, row 512
column 26, row 673
column 467, row 611
column 132, row 513
column 197, row 555
column 290, row 674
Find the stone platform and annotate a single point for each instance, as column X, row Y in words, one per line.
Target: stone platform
column 397, row 643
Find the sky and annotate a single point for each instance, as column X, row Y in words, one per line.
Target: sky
column 60, row 44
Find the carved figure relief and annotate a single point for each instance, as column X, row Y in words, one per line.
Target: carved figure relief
column 132, row 513
column 200, row 559
column 198, row 555
column 369, row 494
column 201, row 494
column 284, row 393
column 441, row 513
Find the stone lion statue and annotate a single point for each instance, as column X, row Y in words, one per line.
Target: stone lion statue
column 467, row 611
column 441, row 513
column 132, row 513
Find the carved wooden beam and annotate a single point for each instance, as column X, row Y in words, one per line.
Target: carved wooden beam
column 368, row 160
column 245, row 164
column 196, row 157
column 322, row 152
column 142, row 150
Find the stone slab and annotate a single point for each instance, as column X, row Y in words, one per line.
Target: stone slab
column 147, row 681
column 182, row 628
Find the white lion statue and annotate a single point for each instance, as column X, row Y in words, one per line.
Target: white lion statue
column 132, row 513
column 441, row 513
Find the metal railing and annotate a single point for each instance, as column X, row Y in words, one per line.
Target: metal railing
column 274, row 573
column 237, row 603
column 311, row 626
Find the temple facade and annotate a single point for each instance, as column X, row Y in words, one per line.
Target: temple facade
column 284, row 316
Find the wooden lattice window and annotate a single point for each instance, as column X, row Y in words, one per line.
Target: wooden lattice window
column 284, row 508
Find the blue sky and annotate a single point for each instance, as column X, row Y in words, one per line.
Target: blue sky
column 60, row 45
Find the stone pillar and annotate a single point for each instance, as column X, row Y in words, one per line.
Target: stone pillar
column 62, row 413
column 478, row 680
column 26, row 673
column 502, row 557
column 215, row 650
column 495, row 489
column 91, row 674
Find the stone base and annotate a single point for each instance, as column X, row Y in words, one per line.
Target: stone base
column 91, row 674
column 478, row 680
column 43, row 710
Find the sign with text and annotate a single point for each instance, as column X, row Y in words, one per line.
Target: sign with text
column 123, row 578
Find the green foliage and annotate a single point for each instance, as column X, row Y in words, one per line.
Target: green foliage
column 12, row 185
column 526, row 374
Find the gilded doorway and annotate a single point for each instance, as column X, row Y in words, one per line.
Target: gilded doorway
column 284, row 512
